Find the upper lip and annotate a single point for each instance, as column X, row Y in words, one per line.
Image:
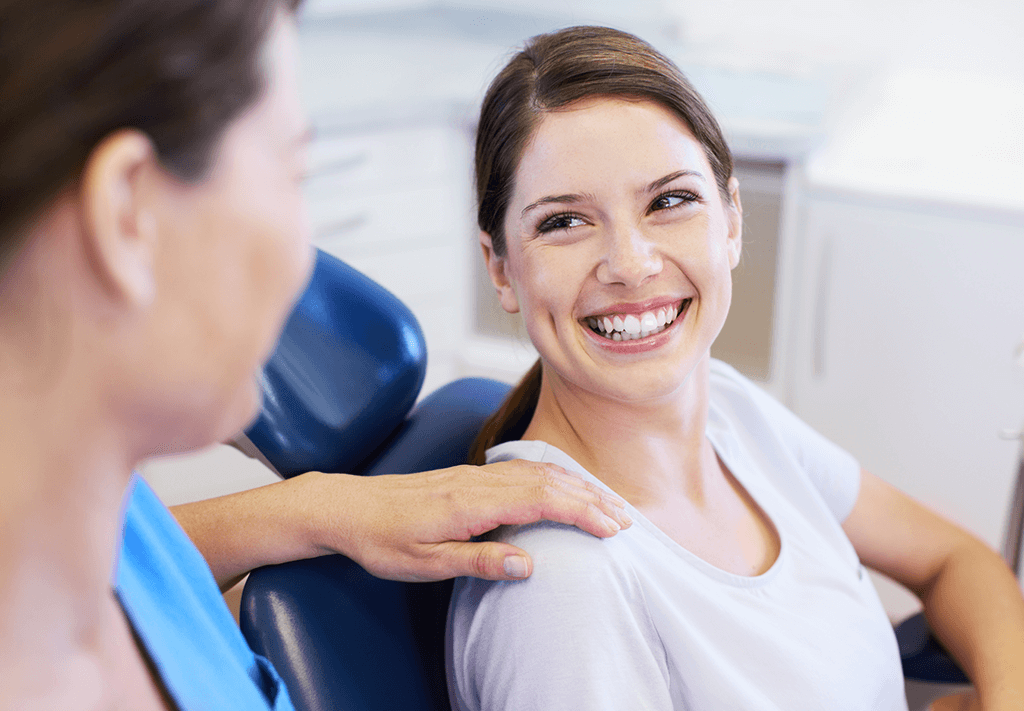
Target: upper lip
column 637, row 307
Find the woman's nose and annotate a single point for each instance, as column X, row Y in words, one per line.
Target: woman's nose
column 630, row 258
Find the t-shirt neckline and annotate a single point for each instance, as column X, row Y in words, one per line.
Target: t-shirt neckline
column 728, row 454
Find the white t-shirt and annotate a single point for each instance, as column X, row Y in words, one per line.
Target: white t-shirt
column 638, row 622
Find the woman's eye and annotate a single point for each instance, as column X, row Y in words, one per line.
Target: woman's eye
column 562, row 221
column 670, row 200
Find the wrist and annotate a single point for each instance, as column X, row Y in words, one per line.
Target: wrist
column 323, row 510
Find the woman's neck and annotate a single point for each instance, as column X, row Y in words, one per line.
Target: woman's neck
column 65, row 471
column 643, row 451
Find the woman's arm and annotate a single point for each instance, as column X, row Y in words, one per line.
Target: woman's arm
column 971, row 599
column 413, row 527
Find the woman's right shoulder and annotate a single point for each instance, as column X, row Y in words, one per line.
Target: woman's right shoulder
column 565, row 557
column 575, row 634
column 570, row 631
column 575, row 577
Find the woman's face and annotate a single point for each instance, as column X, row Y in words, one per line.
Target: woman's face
column 234, row 253
column 619, row 248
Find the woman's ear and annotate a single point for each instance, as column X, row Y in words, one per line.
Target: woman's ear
column 497, row 267
column 119, row 229
column 735, row 213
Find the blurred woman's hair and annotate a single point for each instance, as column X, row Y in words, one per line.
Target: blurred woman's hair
column 72, row 72
column 552, row 72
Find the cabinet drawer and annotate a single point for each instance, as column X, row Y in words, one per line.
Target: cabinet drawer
column 378, row 160
column 369, row 221
column 410, row 274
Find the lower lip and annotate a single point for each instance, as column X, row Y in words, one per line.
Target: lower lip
column 639, row 345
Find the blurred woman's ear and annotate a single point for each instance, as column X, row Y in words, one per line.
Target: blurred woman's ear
column 497, row 268
column 119, row 230
column 734, row 210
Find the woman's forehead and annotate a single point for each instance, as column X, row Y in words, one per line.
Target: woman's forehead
column 604, row 140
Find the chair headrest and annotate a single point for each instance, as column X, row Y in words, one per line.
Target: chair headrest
column 347, row 369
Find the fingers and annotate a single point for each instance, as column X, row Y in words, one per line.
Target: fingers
column 488, row 560
column 582, row 514
column 537, row 491
column 420, row 526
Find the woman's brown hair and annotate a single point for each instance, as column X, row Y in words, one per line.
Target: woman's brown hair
column 552, row 72
column 72, row 72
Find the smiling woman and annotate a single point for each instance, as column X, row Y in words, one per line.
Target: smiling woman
column 610, row 219
column 561, row 73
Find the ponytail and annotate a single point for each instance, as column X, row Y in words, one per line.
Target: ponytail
column 510, row 420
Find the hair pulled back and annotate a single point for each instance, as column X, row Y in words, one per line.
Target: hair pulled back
column 72, row 72
column 552, row 72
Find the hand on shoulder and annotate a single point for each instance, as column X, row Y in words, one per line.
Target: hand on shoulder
column 418, row 527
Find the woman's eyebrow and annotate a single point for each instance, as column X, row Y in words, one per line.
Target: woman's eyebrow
column 662, row 182
column 562, row 199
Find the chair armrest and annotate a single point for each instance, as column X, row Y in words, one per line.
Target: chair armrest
column 923, row 657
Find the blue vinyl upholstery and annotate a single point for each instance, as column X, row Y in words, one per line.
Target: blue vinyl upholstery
column 348, row 366
column 339, row 390
column 344, row 640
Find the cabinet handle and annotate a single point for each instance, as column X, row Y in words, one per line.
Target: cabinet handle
column 342, row 227
column 821, row 308
column 338, row 165
column 1013, row 544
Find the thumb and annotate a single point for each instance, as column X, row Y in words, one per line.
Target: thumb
column 489, row 560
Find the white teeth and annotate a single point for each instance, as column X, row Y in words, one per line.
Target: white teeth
column 648, row 322
column 630, row 327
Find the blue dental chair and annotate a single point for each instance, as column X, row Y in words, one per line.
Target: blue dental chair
column 338, row 396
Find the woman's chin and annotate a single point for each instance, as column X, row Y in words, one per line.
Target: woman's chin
column 235, row 415
column 245, row 411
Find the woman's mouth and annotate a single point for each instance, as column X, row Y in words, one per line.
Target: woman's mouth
column 628, row 327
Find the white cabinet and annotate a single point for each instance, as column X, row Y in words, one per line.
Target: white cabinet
column 908, row 320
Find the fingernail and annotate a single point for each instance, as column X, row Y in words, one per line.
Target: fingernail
column 515, row 566
column 624, row 518
column 612, row 525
